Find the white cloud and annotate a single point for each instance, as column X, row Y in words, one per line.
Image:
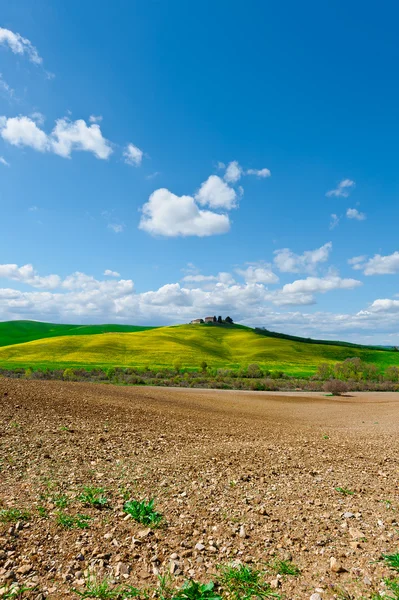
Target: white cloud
column 109, row 273
column 353, row 213
column 116, row 227
column 95, row 119
column 4, row 162
column 23, row 131
column 385, row 305
column 170, row 215
column 312, row 285
column 27, row 274
column 289, row 262
column 233, row 172
column 19, row 45
column 378, row 265
column 133, row 155
column 258, row 273
column 343, row 189
column 215, row 193
column 357, row 262
column 334, row 221
column 66, row 137
column 259, row 172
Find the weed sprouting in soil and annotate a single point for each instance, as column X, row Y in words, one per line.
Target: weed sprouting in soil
column 43, row 512
column 93, row 496
column 73, row 522
column 61, row 501
column 392, row 560
column 344, row 491
column 192, row 590
column 143, row 512
column 243, row 583
column 285, row 567
column 13, row 515
column 102, row 589
column 16, row 592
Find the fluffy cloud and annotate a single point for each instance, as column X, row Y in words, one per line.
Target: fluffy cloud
column 19, row 45
column 258, row 273
column 27, row 274
column 353, row 213
column 66, row 137
column 215, row 193
column 133, row 155
column 170, row 215
column 289, row 262
column 4, row 162
column 259, row 172
column 378, row 265
column 334, row 221
column 343, row 189
column 23, row 131
column 233, row 172
column 385, row 305
column 109, row 273
column 312, row 285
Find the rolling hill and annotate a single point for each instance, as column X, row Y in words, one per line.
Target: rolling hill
column 17, row 332
column 219, row 346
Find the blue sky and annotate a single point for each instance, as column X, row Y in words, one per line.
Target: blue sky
column 222, row 158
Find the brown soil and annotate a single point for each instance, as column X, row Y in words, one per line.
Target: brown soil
column 251, row 476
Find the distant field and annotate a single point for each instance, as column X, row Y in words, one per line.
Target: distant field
column 18, row 332
column 219, row 346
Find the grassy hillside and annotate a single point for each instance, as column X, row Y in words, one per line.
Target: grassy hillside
column 219, row 346
column 18, row 332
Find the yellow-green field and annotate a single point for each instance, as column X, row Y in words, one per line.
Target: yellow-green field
column 219, row 346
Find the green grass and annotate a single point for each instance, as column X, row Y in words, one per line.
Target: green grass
column 285, row 567
column 244, row 583
column 93, row 496
column 102, row 589
column 219, row 346
column 18, row 332
column 13, row 515
column 73, row 522
column 392, row 560
column 344, row 491
column 143, row 512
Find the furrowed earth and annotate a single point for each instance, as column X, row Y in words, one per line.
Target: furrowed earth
column 254, row 478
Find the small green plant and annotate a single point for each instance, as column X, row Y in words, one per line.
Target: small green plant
column 143, row 512
column 326, row 437
column 285, row 567
column 102, row 589
column 13, row 515
column 42, row 512
column 16, row 592
column 64, row 428
column 192, row 590
column 392, row 560
column 61, row 500
column 243, row 583
column 344, row 491
column 71, row 522
column 93, row 496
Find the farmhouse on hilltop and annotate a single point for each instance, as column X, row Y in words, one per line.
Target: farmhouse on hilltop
column 211, row 320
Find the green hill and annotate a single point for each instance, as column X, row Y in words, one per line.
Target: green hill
column 17, row 332
column 220, row 346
